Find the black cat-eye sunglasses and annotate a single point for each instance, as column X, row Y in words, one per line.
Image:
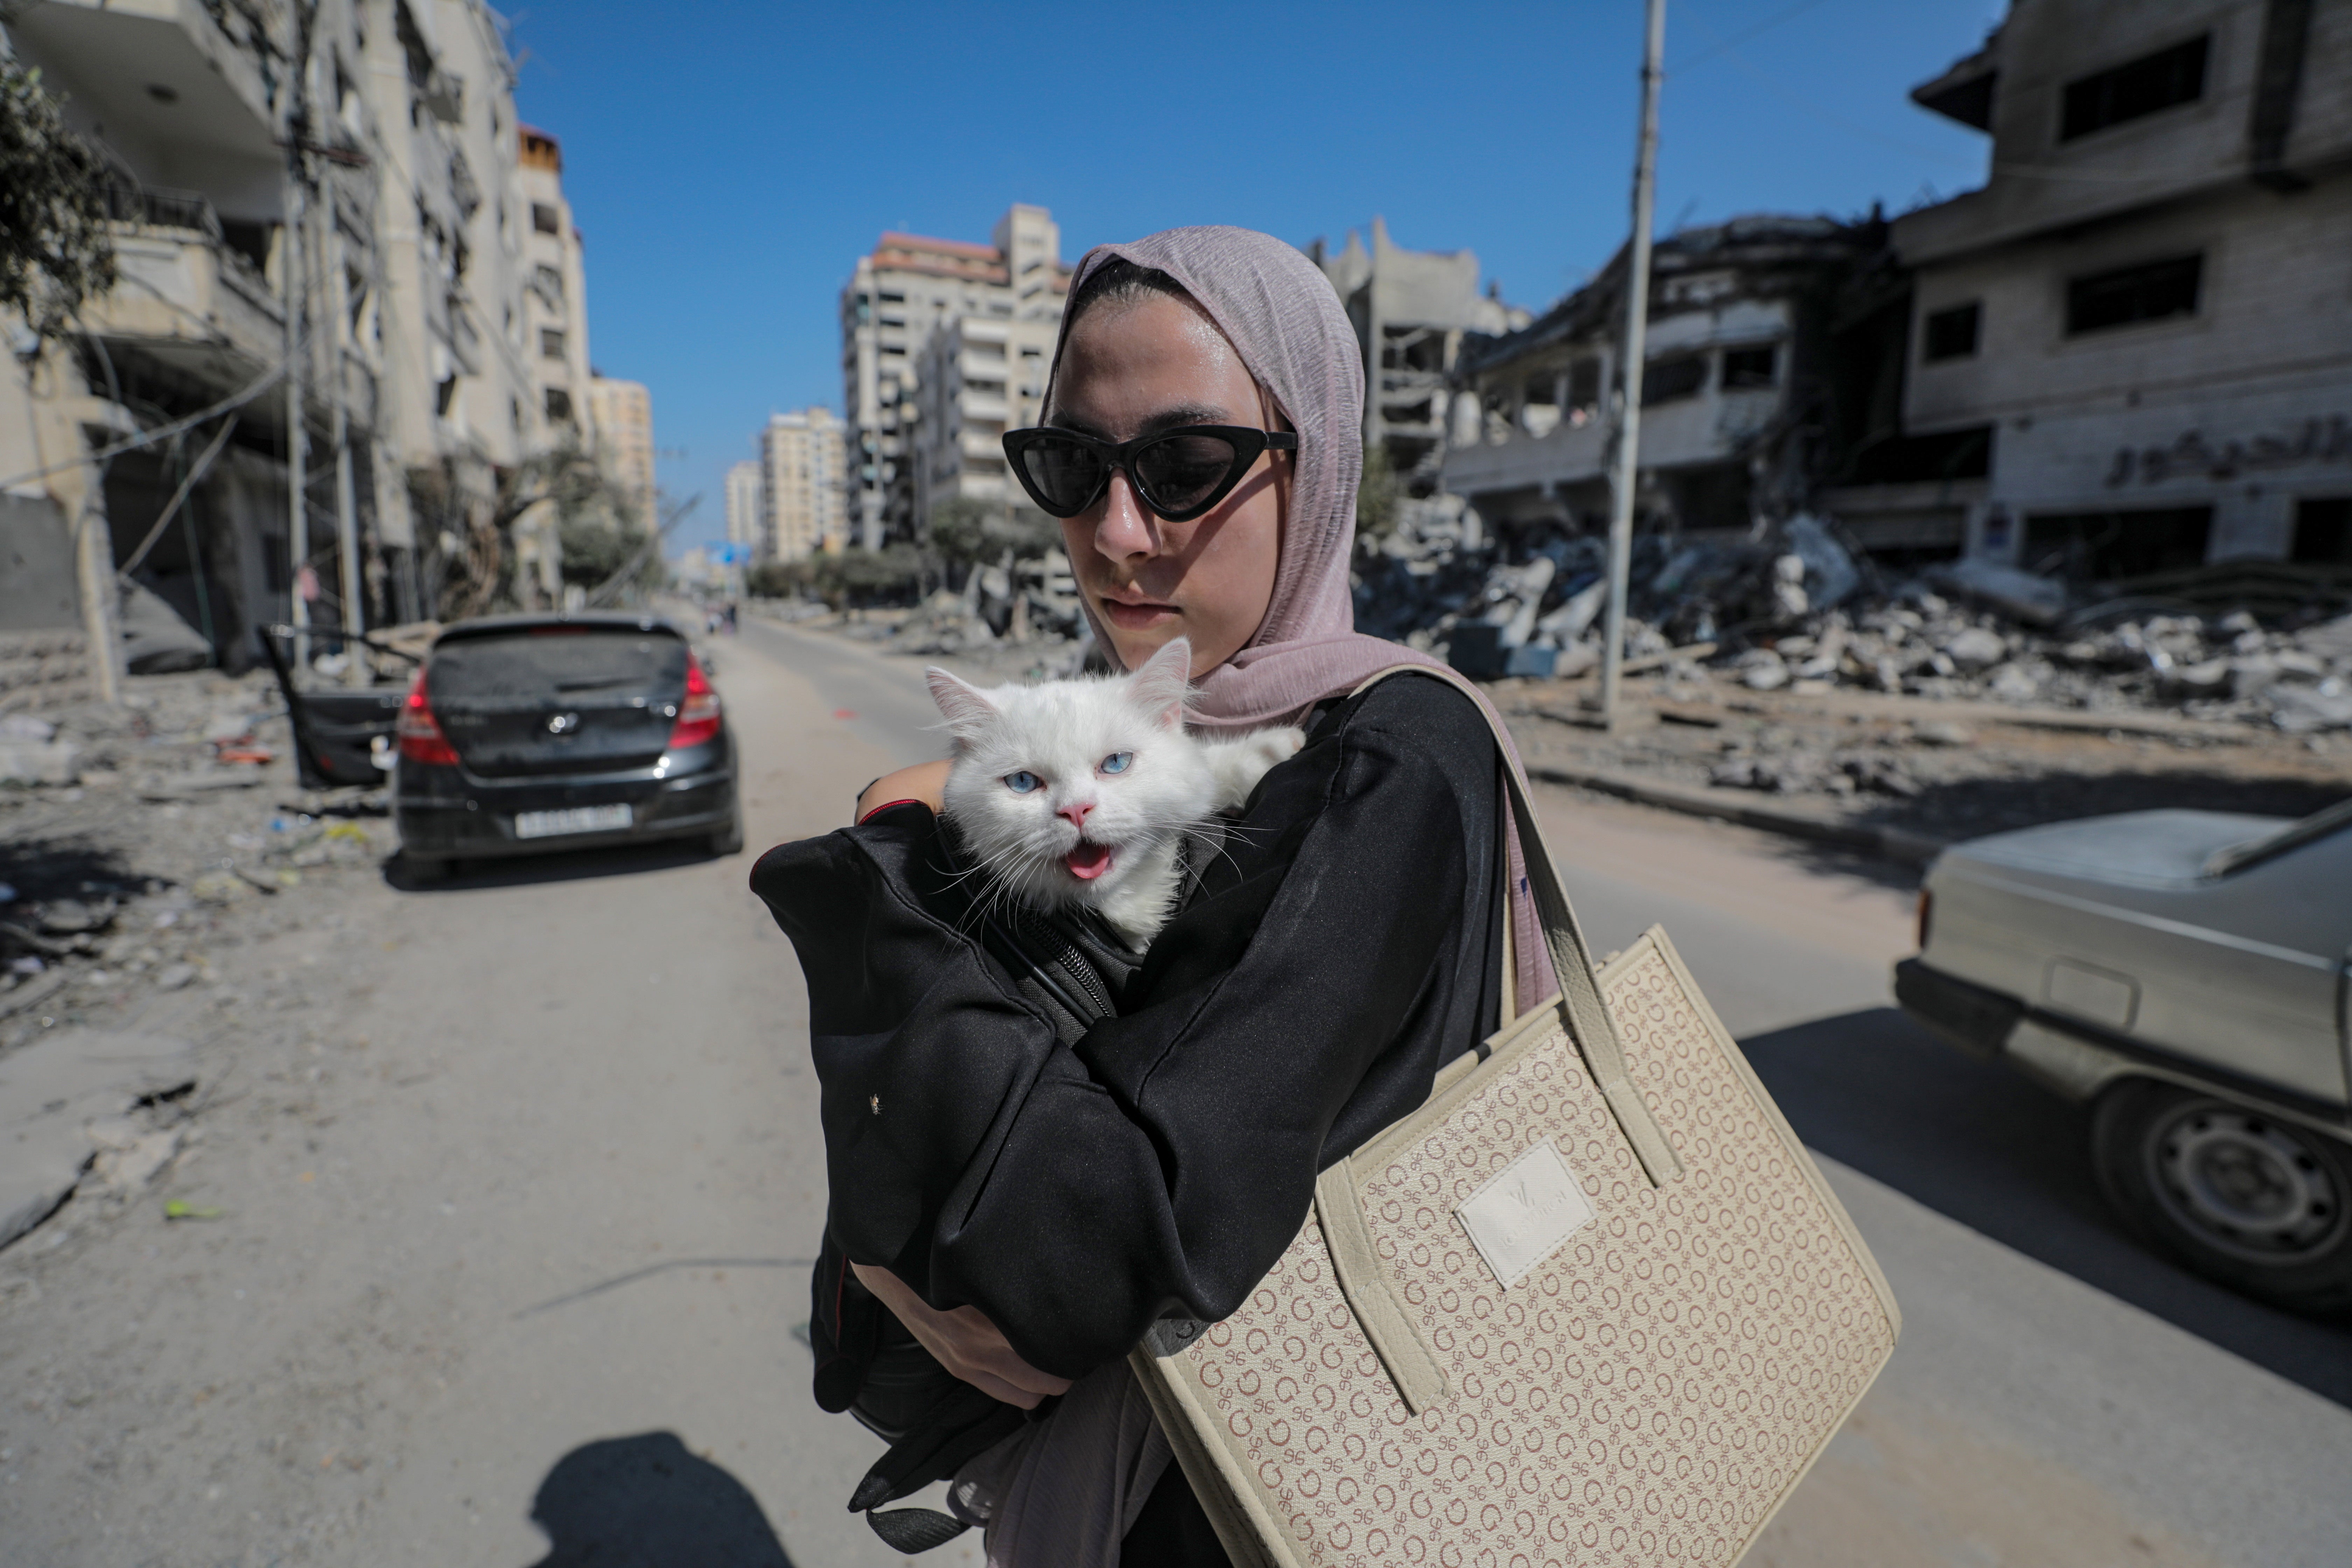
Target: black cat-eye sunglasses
column 1179, row 473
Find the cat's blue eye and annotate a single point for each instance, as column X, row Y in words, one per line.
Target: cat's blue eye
column 1116, row 761
column 1023, row 782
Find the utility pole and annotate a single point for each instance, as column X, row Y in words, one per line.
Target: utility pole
column 1637, row 331
column 292, row 259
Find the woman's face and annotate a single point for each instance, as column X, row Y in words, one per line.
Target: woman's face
column 1138, row 368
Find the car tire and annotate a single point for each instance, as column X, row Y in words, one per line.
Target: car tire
column 2256, row 1203
column 729, row 840
column 424, row 870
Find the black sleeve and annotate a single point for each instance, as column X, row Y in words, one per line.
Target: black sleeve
column 1300, row 1002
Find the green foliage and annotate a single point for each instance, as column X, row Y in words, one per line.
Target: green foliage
column 855, row 577
column 1377, row 495
column 967, row 532
column 54, row 248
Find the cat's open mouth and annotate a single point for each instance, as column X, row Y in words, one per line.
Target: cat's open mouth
column 1087, row 861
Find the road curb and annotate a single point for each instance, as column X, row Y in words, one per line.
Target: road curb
column 1886, row 843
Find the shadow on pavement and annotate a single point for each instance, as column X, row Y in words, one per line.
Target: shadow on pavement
column 1980, row 1144
column 571, row 866
column 646, row 1502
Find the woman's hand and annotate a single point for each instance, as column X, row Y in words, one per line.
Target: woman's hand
column 926, row 782
column 964, row 1341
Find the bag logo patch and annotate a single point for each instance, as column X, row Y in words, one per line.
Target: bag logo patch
column 1523, row 1215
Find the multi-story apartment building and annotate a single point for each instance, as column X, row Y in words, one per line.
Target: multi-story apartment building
column 554, row 325
column 744, row 491
column 322, row 236
column 906, row 289
column 622, row 413
column 2136, row 340
column 802, row 495
column 1738, row 391
column 1418, row 307
column 979, row 376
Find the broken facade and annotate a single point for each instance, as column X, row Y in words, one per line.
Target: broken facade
column 1740, row 387
column 327, row 199
column 1413, row 311
column 2131, row 351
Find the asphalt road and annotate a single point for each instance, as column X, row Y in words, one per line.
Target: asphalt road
column 520, row 1176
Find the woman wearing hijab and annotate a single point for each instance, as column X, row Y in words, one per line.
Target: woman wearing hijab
column 1201, row 447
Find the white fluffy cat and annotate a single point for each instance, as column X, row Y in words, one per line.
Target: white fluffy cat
column 1080, row 792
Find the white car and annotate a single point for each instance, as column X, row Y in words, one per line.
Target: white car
column 2189, row 973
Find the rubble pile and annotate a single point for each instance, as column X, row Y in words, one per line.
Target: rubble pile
column 132, row 840
column 1799, row 611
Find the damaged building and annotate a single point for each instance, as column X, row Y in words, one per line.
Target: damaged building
column 1413, row 311
column 2131, row 351
column 1742, row 385
column 349, row 300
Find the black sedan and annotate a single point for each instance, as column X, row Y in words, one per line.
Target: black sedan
column 525, row 734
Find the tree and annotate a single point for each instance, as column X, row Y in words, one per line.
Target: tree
column 54, row 248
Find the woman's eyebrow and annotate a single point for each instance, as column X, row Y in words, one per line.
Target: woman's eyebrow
column 1168, row 419
column 1185, row 414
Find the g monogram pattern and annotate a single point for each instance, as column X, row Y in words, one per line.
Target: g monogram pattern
column 1648, row 1394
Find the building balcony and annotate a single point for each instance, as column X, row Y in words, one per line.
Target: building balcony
column 192, row 300
column 984, row 405
column 181, row 101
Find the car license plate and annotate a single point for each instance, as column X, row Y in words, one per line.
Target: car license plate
column 573, row 819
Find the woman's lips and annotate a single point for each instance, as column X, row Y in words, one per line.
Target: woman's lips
column 1087, row 861
column 1136, row 615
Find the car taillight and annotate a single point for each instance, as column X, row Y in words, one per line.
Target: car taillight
column 421, row 740
column 1926, row 916
column 697, row 718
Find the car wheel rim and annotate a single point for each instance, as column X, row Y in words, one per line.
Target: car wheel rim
column 2244, row 1184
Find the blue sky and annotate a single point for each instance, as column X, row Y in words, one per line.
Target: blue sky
column 729, row 162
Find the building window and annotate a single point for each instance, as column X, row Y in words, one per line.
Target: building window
column 2150, row 291
column 1747, row 369
column 551, row 344
column 559, row 404
column 2102, row 546
column 544, row 219
column 1584, row 386
column 1672, row 380
column 1952, row 332
column 444, row 396
column 2323, row 531
column 2130, row 91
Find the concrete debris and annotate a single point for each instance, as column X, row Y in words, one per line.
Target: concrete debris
column 54, row 763
column 1794, row 609
column 119, row 883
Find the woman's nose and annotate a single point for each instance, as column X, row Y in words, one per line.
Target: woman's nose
column 1126, row 529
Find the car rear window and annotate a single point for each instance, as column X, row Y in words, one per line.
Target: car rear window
column 559, row 660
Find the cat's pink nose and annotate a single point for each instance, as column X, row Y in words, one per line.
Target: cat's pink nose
column 1076, row 813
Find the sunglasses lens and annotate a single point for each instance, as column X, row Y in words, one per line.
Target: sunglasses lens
column 1182, row 473
column 1064, row 472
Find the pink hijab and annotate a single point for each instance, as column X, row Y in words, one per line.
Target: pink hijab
column 1284, row 319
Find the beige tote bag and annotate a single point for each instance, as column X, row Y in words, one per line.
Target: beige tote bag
column 1592, row 1304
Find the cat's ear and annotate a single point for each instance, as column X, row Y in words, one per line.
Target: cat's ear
column 1160, row 686
column 966, row 706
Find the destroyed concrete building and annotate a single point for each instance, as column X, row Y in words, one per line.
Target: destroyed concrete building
column 1741, row 390
column 2131, row 351
column 336, row 197
column 1413, row 311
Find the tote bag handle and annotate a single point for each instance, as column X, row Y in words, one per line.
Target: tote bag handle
column 1587, row 1016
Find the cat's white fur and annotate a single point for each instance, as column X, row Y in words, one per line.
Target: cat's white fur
column 1035, row 845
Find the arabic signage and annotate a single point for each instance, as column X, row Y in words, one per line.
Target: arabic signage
column 2327, row 440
